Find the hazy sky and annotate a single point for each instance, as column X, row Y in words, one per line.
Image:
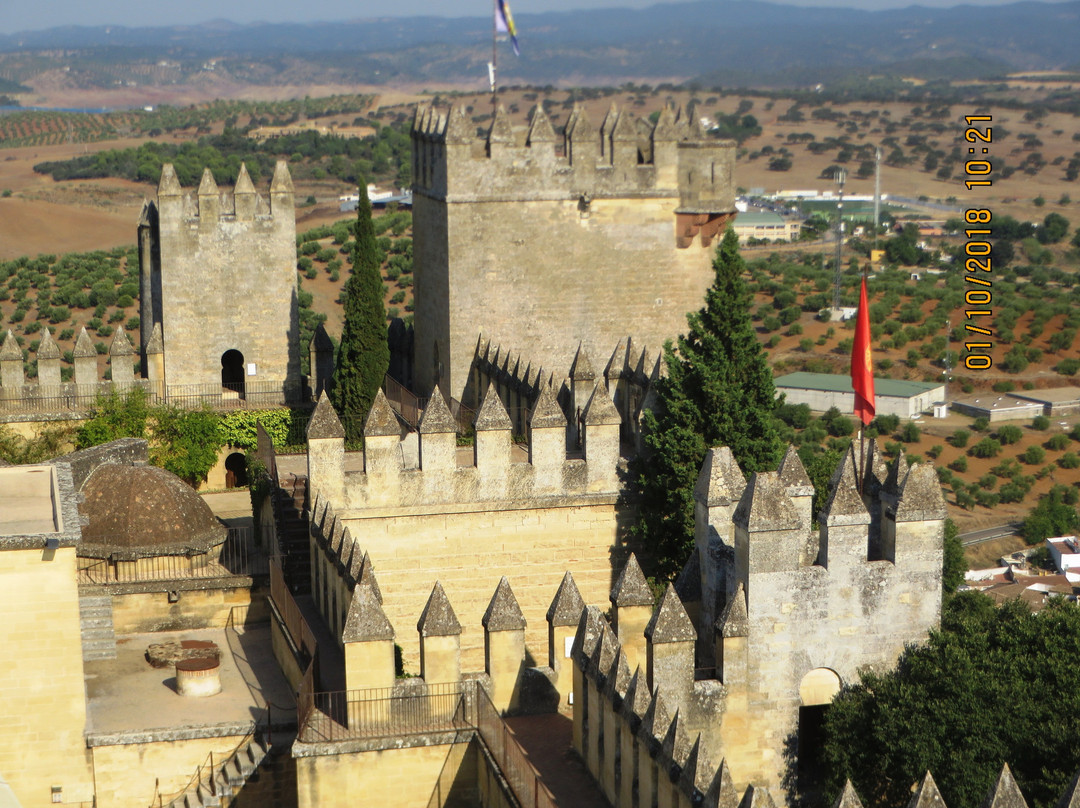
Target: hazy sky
column 29, row 15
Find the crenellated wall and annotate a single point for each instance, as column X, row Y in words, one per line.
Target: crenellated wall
column 793, row 613
column 475, row 514
column 550, row 240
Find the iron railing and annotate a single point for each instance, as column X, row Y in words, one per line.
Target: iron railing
column 511, row 759
column 239, row 556
column 381, row 712
column 299, row 630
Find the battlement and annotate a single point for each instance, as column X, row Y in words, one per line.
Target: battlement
column 427, row 469
column 48, row 393
column 785, row 613
column 625, row 156
column 211, row 206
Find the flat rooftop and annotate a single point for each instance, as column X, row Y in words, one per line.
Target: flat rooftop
column 999, row 401
column 27, row 501
column 129, row 700
column 841, row 383
column 1053, row 395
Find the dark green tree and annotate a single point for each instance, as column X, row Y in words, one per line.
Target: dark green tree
column 953, row 563
column 940, row 708
column 364, row 354
column 1054, row 515
column 718, row 392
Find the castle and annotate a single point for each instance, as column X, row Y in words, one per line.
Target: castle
column 535, row 255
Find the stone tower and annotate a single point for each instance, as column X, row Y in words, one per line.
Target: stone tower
column 545, row 241
column 217, row 286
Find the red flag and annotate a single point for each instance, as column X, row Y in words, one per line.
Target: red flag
column 862, row 370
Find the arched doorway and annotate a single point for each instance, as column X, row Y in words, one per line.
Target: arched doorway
column 236, row 471
column 232, row 372
column 816, row 691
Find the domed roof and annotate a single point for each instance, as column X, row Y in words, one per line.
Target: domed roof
column 146, row 508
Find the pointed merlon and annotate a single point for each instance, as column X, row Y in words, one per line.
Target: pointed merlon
column 366, row 621
column 845, row 505
column 927, row 795
column 418, row 116
column 1071, row 797
column 243, row 182
column 121, row 345
column 695, row 776
column 207, row 186
column 1005, row 792
column 458, row 129
column 492, row 416
column 765, row 505
column 438, row 618
column 282, row 181
column 437, row 418
column 624, row 128
column 655, row 722
column 734, row 622
column 566, row 607
column 340, row 538
column 636, row 699
column 367, row 578
column 876, row 471
column 665, row 129
column 356, row 563
column 581, row 369
column 582, row 128
column 47, row 349
column 676, row 746
column 631, row 588
column 540, row 129
column 501, row 131
column 720, row 481
column 547, row 414
column 587, row 635
column 600, row 411
column 10, row 350
column 618, row 677
column 898, row 470
column 670, row 623
column 156, row 343
column 721, row 792
column 920, row 496
column 324, row 421
column 84, row 347
column 614, row 368
column 848, row 798
column 607, row 126
column 688, row 584
column 503, row 612
column 382, row 421
column 169, row 185
column 603, row 655
column 793, row 475
column 757, row 797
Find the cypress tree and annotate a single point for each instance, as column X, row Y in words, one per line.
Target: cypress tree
column 364, row 354
column 718, row 391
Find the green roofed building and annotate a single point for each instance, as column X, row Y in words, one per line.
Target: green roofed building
column 820, row 391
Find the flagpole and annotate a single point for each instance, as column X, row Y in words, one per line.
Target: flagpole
column 862, row 444
column 494, row 55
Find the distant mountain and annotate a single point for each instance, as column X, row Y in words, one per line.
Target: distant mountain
column 711, row 39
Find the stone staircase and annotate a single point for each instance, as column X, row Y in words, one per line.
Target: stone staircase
column 96, row 626
column 220, row 787
column 290, row 511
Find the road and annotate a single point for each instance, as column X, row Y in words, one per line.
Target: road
column 989, row 533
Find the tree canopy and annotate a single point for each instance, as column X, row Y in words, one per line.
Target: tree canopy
column 364, row 355
column 993, row 685
column 718, row 392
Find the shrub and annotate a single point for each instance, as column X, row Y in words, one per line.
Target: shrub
column 1033, row 455
column 960, row 464
column 1057, row 442
column 981, row 424
column 934, row 452
column 892, row 448
column 987, row 447
column 887, row 424
column 1069, row 460
column 959, row 438
column 987, row 481
column 910, row 433
column 1009, row 434
column 1040, row 422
